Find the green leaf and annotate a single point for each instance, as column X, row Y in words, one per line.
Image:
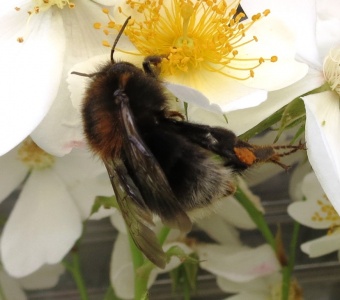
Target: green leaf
column 179, row 252
column 184, row 277
column 263, row 125
column 293, row 114
column 145, row 296
column 3, row 221
column 110, row 294
column 299, row 132
column 191, row 271
column 287, row 271
column 102, row 201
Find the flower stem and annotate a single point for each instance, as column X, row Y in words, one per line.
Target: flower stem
column 2, row 294
column 287, row 270
column 256, row 216
column 163, row 234
column 142, row 267
column 74, row 268
column 141, row 282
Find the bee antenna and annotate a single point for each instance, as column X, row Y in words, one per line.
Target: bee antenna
column 118, row 37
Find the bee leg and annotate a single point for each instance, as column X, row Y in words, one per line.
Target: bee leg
column 175, row 114
column 151, row 65
column 86, row 75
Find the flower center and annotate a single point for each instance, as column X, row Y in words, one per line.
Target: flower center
column 33, row 156
column 192, row 35
column 187, row 11
column 331, row 69
column 327, row 213
column 41, row 6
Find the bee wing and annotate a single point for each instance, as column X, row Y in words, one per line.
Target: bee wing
column 137, row 218
column 148, row 174
column 216, row 139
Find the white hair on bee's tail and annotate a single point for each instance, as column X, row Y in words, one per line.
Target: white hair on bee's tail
column 217, row 183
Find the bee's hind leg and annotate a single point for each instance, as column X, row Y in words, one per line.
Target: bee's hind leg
column 151, row 65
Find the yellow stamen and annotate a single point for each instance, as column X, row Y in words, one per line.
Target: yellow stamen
column 204, row 34
column 266, row 12
column 41, row 6
column 33, row 156
column 106, row 44
column 274, row 59
column 327, row 213
column 97, row 25
column 331, row 69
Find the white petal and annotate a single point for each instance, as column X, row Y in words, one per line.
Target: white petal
column 219, row 230
column 77, row 84
column 247, row 296
column 234, row 213
column 288, row 12
column 192, row 96
column 12, row 173
column 322, row 246
column 11, row 288
column 311, row 187
column 226, row 93
column 121, row 268
column 295, row 181
column 257, row 286
column 106, row 2
column 277, row 99
column 327, row 25
column 44, row 278
column 42, row 227
column 83, row 40
column 31, row 72
column 274, row 39
column 323, row 144
column 201, row 115
column 243, row 265
column 86, row 178
column 6, row 7
column 77, row 166
column 303, row 211
column 118, row 222
column 61, row 129
column 85, row 193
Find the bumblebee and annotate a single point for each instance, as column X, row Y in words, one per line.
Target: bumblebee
column 157, row 162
